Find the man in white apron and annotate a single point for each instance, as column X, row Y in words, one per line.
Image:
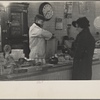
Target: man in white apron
column 38, row 37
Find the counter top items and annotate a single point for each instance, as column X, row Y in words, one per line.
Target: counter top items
column 58, row 60
column 39, row 60
column 97, row 44
column 21, row 60
column 17, row 53
column 38, row 73
column 64, row 49
column 20, row 63
column 96, row 55
column 53, row 59
column 61, row 58
column 9, row 62
column 28, row 67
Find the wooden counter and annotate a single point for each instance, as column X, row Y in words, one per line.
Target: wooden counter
column 57, row 72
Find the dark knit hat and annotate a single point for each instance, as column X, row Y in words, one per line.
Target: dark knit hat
column 82, row 22
column 38, row 16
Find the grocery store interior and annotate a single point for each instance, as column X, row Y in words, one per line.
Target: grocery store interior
column 17, row 17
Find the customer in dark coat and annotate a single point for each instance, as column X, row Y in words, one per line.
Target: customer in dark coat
column 83, row 50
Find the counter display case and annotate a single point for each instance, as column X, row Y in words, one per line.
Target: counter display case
column 60, row 71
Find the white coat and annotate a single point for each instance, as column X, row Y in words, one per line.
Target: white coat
column 37, row 44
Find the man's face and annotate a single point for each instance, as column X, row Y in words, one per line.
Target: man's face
column 40, row 22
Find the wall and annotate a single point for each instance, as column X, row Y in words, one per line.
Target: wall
column 59, row 12
column 90, row 14
column 58, row 8
column 97, row 13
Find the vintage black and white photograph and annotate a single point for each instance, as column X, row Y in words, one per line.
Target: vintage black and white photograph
column 49, row 40
column 50, row 49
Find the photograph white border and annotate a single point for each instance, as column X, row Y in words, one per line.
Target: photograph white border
column 49, row 89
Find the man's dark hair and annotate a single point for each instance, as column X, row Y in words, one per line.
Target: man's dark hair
column 38, row 16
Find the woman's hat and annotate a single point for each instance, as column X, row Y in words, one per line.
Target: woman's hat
column 82, row 22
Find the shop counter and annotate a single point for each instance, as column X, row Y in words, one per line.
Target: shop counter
column 62, row 71
column 96, row 70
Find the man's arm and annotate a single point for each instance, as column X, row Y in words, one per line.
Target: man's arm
column 35, row 31
column 46, row 34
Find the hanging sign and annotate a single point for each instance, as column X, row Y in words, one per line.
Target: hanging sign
column 83, row 7
column 68, row 9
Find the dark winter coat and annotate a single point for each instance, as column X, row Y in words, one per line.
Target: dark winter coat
column 83, row 53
